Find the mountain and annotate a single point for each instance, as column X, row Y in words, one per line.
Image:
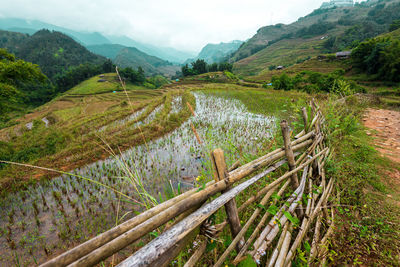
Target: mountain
column 322, row 31
column 110, row 51
column 215, row 53
column 32, row 26
column 132, row 57
column 166, row 53
column 53, row 51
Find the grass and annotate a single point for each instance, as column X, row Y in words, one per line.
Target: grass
column 368, row 231
column 82, row 122
column 285, row 52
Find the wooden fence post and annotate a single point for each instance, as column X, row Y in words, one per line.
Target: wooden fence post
column 289, row 152
column 221, row 173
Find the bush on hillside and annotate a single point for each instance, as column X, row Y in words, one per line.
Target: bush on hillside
column 314, row 82
column 380, row 57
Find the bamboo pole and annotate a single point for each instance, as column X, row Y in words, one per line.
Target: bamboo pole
column 275, row 253
column 241, row 234
column 285, row 247
column 146, row 255
column 304, row 228
column 289, row 152
column 255, row 197
column 151, row 251
column 239, row 257
column 220, row 174
column 270, row 232
column 133, row 234
column 96, row 242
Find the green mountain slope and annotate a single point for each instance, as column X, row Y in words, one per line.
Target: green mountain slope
column 165, row 53
column 54, row 52
column 324, row 30
column 106, row 50
column 217, row 52
column 132, row 57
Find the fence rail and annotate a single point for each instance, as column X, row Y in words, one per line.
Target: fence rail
column 280, row 231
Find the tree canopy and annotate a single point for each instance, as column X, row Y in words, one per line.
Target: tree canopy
column 17, row 77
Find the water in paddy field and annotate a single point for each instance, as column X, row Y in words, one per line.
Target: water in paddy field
column 60, row 213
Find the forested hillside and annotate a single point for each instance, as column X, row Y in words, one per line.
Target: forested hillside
column 54, row 52
column 322, row 31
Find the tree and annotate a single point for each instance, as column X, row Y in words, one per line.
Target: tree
column 213, row 67
column 199, row 66
column 16, row 74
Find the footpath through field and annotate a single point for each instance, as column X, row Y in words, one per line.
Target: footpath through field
column 385, row 126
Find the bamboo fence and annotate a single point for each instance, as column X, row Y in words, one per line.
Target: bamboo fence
column 278, row 233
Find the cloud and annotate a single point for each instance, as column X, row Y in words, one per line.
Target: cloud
column 187, row 25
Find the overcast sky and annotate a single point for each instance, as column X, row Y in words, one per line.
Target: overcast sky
column 183, row 24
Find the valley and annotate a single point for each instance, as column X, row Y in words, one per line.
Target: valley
column 117, row 152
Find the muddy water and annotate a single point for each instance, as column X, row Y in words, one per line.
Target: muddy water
column 67, row 210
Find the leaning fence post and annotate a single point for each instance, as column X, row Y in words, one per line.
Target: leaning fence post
column 289, row 152
column 291, row 160
column 221, row 173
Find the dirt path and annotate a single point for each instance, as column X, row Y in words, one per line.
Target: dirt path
column 386, row 130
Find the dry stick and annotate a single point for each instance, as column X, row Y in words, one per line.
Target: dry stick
column 221, row 173
column 102, row 239
column 146, row 255
column 234, row 166
column 270, row 232
column 316, row 237
column 156, row 247
column 240, row 235
column 239, row 257
column 275, row 253
column 285, row 247
column 304, row 228
column 323, row 252
column 196, row 255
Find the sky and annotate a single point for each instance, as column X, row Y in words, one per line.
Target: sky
column 183, row 24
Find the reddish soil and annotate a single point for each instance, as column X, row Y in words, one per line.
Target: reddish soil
column 386, row 126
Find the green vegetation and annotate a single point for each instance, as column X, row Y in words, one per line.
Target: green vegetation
column 368, row 231
column 314, row 82
column 20, row 82
column 200, row 66
column 379, row 57
column 52, row 51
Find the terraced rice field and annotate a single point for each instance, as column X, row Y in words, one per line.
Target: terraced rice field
column 53, row 215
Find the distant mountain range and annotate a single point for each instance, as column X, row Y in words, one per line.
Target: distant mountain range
column 94, row 38
column 216, row 53
column 132, row 57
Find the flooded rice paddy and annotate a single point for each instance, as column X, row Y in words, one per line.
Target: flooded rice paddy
column 54, row 215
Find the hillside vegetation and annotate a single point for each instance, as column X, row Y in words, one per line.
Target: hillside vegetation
column 322, row 31
column 54, row 52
